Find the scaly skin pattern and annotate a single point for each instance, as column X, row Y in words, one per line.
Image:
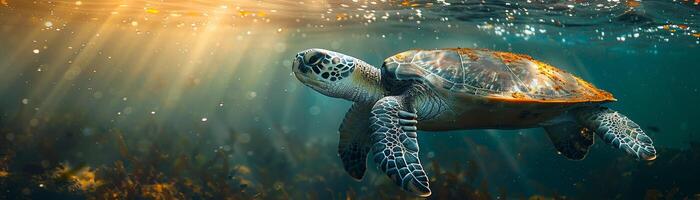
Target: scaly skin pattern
column 428, row 103
column 395, row 147
column 619, row 131
column 365, row 86
column 354, row 140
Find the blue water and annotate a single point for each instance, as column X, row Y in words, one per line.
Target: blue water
column 197, row 100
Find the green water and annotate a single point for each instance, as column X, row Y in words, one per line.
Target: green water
column 194, row 100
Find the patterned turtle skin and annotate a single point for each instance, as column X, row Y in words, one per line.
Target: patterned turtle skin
column 459, row 89
column 492, row 74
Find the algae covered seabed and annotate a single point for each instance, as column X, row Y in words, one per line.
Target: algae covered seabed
column 196, row 100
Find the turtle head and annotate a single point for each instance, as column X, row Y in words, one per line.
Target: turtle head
column 327, row 72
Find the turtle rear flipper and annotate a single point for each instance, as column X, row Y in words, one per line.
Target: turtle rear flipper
column 619, row 131
column 354, row 140
column 395, row 147
column 570, row 139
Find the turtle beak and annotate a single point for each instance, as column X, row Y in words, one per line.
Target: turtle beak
column 298, row 66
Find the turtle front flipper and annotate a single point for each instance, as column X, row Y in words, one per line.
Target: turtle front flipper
column 354, row 140
column 619, row 131
column 395, row 147
column 571, row 139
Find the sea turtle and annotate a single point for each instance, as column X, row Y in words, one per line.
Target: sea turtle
column 455, row 89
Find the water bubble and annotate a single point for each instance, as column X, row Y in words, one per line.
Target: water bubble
column 72, row 73
column 128, row 110
column 48, row 24
column 36, row 51
column 287, row 63
column 335, row 45
column 87, row 131
column 280, row 47
column 10, row 136
column 204, row 119
column 278, row 185
column 244, row 138
column 314, row 110
column 25, row 101
column 251, row 95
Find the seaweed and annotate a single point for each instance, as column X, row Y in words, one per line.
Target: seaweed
column 151, row 160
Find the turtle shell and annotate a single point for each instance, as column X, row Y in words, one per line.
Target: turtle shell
column 491, row 74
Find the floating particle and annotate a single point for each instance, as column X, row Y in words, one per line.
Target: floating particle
column 335, row 45
column 25, row 101
column 244, row 138
column 152, row 11
column 242, row 169
column 204, row 119
column 36, row 51
column 128, row 110
column 633, row 3
column 48, row 24
column 134, row 23
column 314, row 110
column 280, row 47
column 252, row 95
column 77, row 3
column 153, row 112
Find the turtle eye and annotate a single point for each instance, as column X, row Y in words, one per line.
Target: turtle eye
column 313, row 58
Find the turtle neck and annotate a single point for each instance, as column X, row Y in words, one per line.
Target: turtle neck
column 366, row 84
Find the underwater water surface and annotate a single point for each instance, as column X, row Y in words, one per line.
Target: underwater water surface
column 171, row 99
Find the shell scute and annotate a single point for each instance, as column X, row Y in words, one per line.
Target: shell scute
column 492, row 74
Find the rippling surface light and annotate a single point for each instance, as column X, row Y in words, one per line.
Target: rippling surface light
column 97, row 86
